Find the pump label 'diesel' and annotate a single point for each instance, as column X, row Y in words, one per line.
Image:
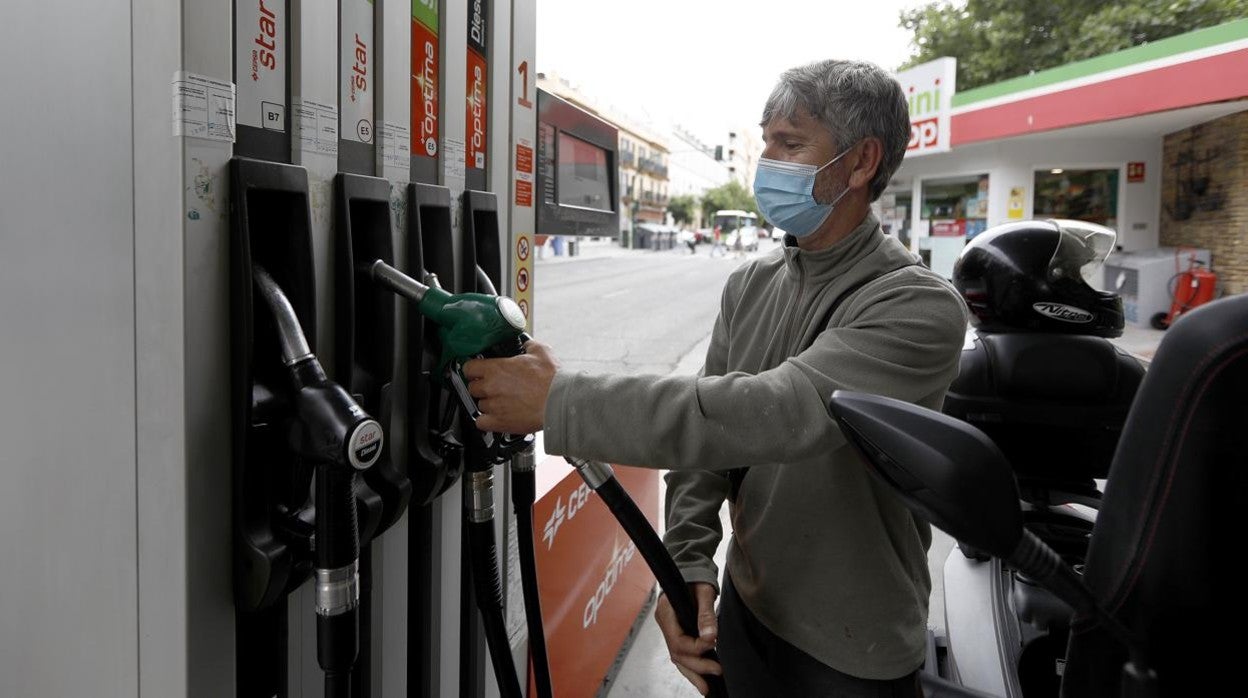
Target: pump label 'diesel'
column 478, row 48
column 356, row 71
column 260, row 63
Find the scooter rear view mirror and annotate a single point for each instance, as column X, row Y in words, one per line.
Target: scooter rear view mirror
column 947, row 470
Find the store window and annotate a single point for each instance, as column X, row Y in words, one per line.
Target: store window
column 955, row 206
column 1084, row 195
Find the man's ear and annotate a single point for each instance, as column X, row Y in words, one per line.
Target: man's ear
column 867, row 163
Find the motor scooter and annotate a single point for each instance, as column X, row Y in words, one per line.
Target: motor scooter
column 1055, row 405
column 1153, row 599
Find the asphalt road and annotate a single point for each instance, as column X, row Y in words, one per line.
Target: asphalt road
column 635, row 312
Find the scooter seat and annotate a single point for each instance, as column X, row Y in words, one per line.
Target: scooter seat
column 1053, row 403
column 1172, row 519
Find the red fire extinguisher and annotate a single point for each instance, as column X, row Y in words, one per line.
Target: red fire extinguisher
column 1191, row 288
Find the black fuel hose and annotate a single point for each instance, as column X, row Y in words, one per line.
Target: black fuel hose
column 337, row 580
column 483, row 550
column 337, row 684
column 330, row 430
column 601, row 479
column 523, row 494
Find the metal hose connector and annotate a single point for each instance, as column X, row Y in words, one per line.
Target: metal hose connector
column 594, row 473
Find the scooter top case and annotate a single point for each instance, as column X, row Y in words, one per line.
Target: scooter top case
column 1053, row 403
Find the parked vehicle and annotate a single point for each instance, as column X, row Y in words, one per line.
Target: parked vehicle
column 1042, row 379
column 728, row 221
column 748, row 237
column 1054, row 587
column 1153, row 609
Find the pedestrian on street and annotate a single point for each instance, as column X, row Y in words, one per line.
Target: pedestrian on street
column 827, row 582
column 717, row 242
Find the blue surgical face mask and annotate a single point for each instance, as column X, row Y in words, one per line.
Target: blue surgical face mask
column 785, row 193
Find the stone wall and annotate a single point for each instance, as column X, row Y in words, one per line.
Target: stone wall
column 1206, row 168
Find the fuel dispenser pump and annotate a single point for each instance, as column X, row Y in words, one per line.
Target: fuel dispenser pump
column 365, row 361
column 473, row 324
column 333, row 433
column 300, row 440
column 366, row 326
column 523, row 496
column 273, row 514
column 436, row 451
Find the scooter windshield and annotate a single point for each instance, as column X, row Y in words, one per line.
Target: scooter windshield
column 1081, row 249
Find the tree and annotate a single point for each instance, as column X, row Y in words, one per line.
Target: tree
column 732, row 195
column 995, row 40
column 682, row 208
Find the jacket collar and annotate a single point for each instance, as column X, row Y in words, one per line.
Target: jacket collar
column 823, row 265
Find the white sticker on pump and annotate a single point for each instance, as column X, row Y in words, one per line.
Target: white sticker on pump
column 396, row 146
column 260, row 60
column 453, row 162
column 356, row 71
column 317, row 126
column 203, row 107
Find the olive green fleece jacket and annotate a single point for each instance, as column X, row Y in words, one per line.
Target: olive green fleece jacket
column 823, row 554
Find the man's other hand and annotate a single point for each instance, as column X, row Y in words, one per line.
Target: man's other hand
column 511, row 393
column 686, row 652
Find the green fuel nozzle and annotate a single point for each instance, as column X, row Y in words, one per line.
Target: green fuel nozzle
column 469, row 324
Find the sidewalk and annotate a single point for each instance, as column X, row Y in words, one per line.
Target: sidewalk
column 603, row 248
column 1140, row 341
column 609, row 248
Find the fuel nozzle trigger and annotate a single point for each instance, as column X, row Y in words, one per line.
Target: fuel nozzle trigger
column 454, row 370
column 455, row 376
column 498, row 446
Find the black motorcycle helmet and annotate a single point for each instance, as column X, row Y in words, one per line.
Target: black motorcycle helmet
column 1029, row 277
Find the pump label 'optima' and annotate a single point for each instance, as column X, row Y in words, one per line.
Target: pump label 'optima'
column 619, row 560
column 476, row 114
column 424, row 90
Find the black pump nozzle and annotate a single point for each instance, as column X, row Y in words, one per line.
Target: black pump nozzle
column 334, row 433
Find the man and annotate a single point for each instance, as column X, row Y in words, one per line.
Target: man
column 827, row 583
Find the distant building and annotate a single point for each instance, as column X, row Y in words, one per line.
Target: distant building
column 745, row 147
column 644, row 156
column 694, row 168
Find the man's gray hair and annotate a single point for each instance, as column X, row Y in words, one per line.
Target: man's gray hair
column 852, row 99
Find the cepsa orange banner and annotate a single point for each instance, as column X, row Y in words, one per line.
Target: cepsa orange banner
column 592, row 580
